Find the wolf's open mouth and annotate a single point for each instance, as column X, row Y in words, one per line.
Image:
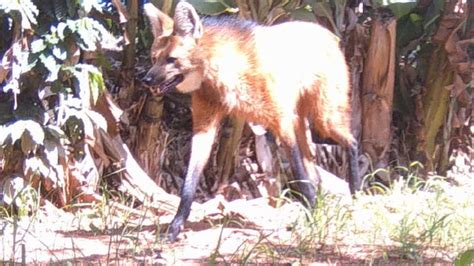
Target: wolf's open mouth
column 171, row 83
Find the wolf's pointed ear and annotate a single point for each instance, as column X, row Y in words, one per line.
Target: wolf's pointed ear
column 187, row 21
column 161, row 24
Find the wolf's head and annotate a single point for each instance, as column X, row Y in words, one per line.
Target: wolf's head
column 171, row 53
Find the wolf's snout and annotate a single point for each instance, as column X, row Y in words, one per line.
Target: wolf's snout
column 148, row 80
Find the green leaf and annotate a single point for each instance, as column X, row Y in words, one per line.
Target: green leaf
column 402, row 9
column 71, row 7
column 415, row 18
column 408, row 29
column 433, row 13
column 88, row 5
column 303, row 14
column 97, row 84
column 61, row 28
column 72, row 25
column 60, row 52
column 324, row 10
column 38, row 46
column 51, row 64
column 56, row 133
column 27, row 144
column 52, row 38
column 465, row 258
column 90, row 32
column 11, row 188
column 105, row 38
column 52, row 152
column 83, row 82
column 36, row 166
column 87, row 36
column 28, row 13
column 90, row 81
column 229, row 3
column 74, row 126
column 32, row 137
column 29, row 61
column 35, row 131
column 29, row 132
column 209, row 7
column 8, row 5
column 16, row 130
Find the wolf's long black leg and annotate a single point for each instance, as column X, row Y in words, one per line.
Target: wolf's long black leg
column 304, row 184
column 355, row 184
column 202, row 141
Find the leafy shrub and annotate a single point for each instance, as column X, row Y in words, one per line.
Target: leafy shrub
column 47, row 90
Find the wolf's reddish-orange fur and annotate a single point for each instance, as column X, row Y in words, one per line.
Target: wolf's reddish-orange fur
column 276, row 77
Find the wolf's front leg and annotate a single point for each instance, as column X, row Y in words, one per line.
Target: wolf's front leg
column 201, row 148
column 204, row 126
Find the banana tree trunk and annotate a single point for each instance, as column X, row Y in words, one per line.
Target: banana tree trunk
column 447, row 79
column 149, row 147
column 377, row 89
column 435, row 105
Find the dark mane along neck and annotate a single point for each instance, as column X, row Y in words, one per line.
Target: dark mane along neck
column 229, row 22
column 227, row 29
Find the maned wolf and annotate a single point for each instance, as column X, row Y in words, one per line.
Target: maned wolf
column 274, row 76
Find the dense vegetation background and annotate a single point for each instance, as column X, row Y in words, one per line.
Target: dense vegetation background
column 73, row 114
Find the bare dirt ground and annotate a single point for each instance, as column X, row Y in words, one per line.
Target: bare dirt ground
column 244, row 232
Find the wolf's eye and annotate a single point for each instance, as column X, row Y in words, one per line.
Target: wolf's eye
column 171, row 60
